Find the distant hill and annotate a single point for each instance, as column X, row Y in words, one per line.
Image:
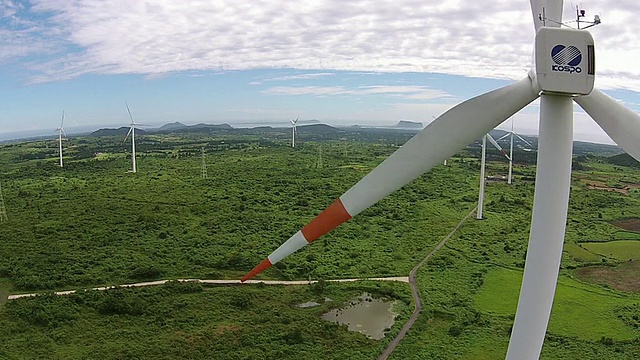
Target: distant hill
column 122, row 131
column 497, row 133
column 172, row 126
column 584, row 148
column 318, row 129
column 210, row 126
column 308, row 122
column 406, row 124
column 623, row 160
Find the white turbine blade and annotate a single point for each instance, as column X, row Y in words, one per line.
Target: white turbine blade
column 621, row 124
column 129, row 133
column 441, row 139
column 64, row 133
column 523, row 139
column 62, row 122
column 130, row 116
column 546, row 13
column 497, row 146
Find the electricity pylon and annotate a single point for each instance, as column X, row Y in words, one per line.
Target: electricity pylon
column 3, row 210
column 204, row 165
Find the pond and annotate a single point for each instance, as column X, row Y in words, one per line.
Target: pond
column 365, row 315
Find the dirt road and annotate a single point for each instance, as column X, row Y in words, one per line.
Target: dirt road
column 416, row 294
column 218, row 282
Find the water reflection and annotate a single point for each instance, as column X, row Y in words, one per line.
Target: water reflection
column 365, row 315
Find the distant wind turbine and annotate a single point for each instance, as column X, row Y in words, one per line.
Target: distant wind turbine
column 293, row 132
column 132, row 132
column 512, row 134
column 60, row 131
column 482, row 167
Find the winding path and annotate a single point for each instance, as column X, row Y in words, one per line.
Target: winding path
column 217, row 282
column 416, row 294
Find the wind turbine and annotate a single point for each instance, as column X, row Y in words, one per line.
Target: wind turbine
column 132, row 132
column 60, row 131
column 293, row 132
column 482, row 168
column 511, row 134
column 564, row 72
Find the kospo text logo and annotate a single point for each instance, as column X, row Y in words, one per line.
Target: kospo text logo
column 566, row 59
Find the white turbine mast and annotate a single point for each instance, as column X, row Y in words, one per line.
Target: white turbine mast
column 564, row 72
column 511, row 134
column 60, row 131
column 132, row 132
column 293, row 132
column 482, row 181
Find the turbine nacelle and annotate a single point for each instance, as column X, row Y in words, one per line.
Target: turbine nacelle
column 565, row 61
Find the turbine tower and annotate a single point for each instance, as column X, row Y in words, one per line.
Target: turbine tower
column 293, row 132
column 482, row 181
column 564, row 72
column 3, row 210
column 132, row 132
column 60, row 131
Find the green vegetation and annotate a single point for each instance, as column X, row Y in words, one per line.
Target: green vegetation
column 620, row 250
column 580, row 254
column 499, row 295
column 185, row 320
column 93, row 224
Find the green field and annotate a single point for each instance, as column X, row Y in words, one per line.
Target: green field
column 93, row 224
column 579, row 253
column 622, row 250
column 576, row 307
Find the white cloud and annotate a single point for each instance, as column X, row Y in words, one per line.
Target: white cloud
column 477, row 39
column 407, row 92
column 8, row 8
column 307, row 90
column 309, row 76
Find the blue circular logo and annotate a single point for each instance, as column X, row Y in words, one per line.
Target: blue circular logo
column 566, row 55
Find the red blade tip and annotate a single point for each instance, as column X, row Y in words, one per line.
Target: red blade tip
column 264, row 265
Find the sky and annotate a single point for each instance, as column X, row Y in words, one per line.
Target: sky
column 251, row 62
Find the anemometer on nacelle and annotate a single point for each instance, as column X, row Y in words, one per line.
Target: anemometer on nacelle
column 565, row 58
